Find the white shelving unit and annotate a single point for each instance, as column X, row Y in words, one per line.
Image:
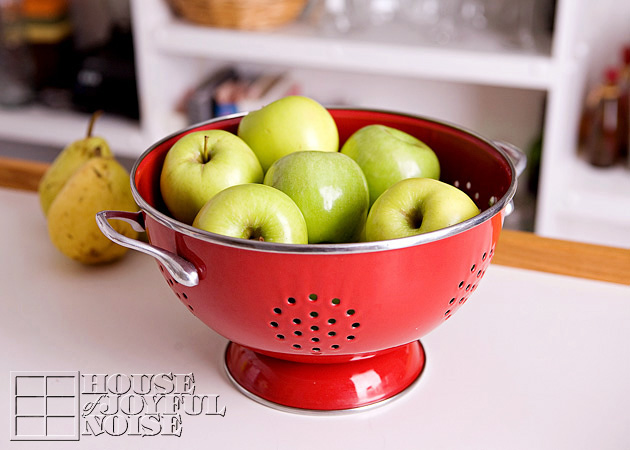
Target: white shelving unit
column 477, row 83
column 40, row 125
column 173, row 55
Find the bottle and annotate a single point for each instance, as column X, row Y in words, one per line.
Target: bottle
column 16, row 66
column 604, row 142
column 49, row 35
column 624, row 107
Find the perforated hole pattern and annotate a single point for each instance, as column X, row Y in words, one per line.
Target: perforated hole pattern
column 468, row 286
column 326, row 326
column 318, row 331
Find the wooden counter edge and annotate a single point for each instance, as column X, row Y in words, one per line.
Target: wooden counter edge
column 21, row 173
column 519, row 249
column 526, row 250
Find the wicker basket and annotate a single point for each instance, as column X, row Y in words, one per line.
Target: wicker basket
column 239, row 14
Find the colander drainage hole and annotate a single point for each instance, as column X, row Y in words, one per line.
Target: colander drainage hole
column 335, row 301
column 356, row 325
column 280, row 336
column 334, row 346
column 350, row 312
column 350, row 337
column 332, row 333
column 314, row 328
column 297, row 346
column 331, row 321
column 312, row 297
column 297, row 321
column 316, row 349
column 451, row 301
column 297, row 333
column 274, row 324
column 314, row 339
column 277, row 311
column 313, row 314
column 291, row 301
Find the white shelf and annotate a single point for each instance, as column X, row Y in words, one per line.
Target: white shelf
column 595, row 204
column 58, row 128
column 396, row 51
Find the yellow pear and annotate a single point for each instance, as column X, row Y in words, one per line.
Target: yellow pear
column 68, row 161
column 99, row 184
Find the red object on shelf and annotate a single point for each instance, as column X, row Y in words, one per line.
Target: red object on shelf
column 331, row 327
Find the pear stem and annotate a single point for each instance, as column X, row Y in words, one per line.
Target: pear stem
column 93, row 119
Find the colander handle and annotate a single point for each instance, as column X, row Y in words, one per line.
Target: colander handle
column 184, row 272
column 519, row 159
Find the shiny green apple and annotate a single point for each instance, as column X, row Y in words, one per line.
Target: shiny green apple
column 330, row 190
column 202, row 163
column 415, row 206
column 253, row 211
column 290, row 124
column 387, row 155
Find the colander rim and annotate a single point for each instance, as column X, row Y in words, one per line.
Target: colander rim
column 327, row 248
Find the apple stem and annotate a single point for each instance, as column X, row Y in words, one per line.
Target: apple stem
column 255, row 234
column 206, row 156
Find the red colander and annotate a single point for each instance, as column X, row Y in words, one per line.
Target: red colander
column 329, row 327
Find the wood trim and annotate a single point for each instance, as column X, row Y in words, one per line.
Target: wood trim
column 517, row 249
column 577, row 259
column 21, row 173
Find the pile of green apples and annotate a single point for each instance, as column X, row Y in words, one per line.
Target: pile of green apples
column 282, row 177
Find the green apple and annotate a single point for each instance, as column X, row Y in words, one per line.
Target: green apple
column 330, row 190
column 290, row 124
column 253, row 211
column 415, row 206
column 202, row 163
column 387, row 155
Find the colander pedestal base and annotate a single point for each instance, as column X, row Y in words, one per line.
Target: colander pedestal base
column 321, row 387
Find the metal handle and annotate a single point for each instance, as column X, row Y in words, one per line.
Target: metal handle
column 519, row 159
column 183, row 271
column 516, row 155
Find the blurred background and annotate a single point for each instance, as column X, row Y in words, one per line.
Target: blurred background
column 549, row 76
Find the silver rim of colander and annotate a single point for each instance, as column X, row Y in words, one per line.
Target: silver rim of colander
column 353, row 247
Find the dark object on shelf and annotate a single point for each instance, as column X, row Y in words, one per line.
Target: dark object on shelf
column 624, row 105
column 200, row 105
column 534, row 156
column 17, row 69
column 106, row 78
column 49, row 35
column 604, row 142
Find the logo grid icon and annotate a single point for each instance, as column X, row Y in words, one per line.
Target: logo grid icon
column 45, row 406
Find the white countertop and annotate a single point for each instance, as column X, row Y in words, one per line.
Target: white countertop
column 532, row 361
